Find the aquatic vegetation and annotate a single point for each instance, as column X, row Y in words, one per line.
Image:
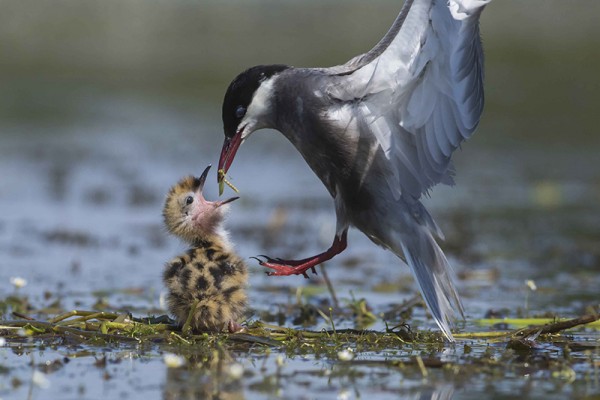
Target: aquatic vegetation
column 267, row 358
column 106, row 327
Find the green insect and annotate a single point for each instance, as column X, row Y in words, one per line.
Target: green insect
column 223, row 179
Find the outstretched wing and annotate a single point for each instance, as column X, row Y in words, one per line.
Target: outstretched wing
column 419, row 91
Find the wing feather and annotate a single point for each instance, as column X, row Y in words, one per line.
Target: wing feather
column 419, row 90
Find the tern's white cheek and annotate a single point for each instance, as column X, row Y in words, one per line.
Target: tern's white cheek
column 258, row 115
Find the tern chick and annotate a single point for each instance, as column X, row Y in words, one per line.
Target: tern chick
column 379, row 132
column 206, row 283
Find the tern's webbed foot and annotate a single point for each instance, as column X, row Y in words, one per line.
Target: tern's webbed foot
column 283, row 267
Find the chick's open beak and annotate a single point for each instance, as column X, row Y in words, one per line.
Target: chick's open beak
column 201, row 181
column 229, row 200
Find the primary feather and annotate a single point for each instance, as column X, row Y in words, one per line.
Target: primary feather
column 420, row 90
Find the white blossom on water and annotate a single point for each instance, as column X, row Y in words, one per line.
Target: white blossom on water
column 279, row 361
column 40, row 379
column 173, row 360
column 18, row 282
column 531, row 285
column 236, row 371
column 346, row 355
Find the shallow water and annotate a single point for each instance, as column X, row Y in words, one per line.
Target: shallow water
column 92, row 134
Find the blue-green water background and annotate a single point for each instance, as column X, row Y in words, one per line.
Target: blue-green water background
column 105, row 104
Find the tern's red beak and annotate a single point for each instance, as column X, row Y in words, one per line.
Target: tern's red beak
column 230, row 147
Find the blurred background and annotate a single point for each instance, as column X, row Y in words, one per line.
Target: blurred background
column 59, row 58
column 105, row 104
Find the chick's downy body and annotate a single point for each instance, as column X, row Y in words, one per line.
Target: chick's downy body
column 215, row 278
column 209, row 279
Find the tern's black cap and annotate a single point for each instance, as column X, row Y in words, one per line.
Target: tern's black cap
column 240, row 93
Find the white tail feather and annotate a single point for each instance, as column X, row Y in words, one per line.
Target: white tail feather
column 434, row 276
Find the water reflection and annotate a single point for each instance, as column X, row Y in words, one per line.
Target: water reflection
column 211, row 373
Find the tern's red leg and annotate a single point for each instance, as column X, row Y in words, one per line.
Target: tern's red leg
column 299, row 267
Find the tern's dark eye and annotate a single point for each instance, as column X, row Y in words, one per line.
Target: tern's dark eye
column 189, row 200
column 240, row 111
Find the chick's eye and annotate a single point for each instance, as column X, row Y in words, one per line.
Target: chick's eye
column 240, row 111
column 189, row 200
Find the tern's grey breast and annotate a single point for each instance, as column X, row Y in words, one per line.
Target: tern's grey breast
column 307, row 116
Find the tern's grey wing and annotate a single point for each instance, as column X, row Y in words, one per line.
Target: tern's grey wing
column 364, row 59
column 419, row 90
